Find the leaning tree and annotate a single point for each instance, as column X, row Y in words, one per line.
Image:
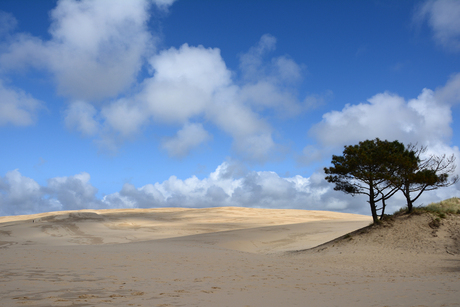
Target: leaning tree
column 415, row 175
column 366, row 169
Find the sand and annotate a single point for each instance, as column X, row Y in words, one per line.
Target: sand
column 226, row 257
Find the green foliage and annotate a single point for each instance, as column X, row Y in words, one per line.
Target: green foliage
column 379, row 169
column 366, row 168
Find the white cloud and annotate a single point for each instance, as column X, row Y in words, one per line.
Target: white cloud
column 287, row 69
column 74, row 192
column 421, row 120
column 270, row 84
column 164, row 4
column 450, row 93
column 189, row 83
column 124, row 116
column 22, row 193
column 7, row 23
column 80, row 116
column 17, row 107
column 443, row 16
column 251, row 62
column 189, row 137
column 184, row 82
column 265, row 94
column 230, row 185
column 193, row 82
column 96, row 50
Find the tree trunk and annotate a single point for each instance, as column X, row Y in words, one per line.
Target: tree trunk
column 383, row 208
column 372, row 204
column 409, row 206
column 409, row 201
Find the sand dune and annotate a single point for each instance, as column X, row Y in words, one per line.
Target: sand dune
column 134, row 225
column 226, row 257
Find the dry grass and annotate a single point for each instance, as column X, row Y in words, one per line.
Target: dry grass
column 448, row 206
column 451, row 205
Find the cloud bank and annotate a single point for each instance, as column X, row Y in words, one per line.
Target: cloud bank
column 228, row 185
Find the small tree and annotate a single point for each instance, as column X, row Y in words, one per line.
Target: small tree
column 415, row 176
column 366, row 169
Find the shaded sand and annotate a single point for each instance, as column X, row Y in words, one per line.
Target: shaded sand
column 226, row 257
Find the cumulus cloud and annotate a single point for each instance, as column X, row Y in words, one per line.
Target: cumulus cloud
column 23, row 195
column 73, row 192
column 124, row 117
column 80, row 116
column 17, row 107
column 230, row 185
column 443, row 16
column 186, row 139
column 191, row 83
column 96, row 47
column 19, row 194
column 387, row 116
column 97, row 50
column 184, row 82
column 425, row 120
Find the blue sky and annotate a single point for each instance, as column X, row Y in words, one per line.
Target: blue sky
column 126, row 104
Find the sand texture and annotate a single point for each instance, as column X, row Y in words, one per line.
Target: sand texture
column 227, row 257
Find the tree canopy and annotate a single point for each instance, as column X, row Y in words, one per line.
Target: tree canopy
column 379, row 169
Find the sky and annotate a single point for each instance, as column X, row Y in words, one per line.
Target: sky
column 200, row 103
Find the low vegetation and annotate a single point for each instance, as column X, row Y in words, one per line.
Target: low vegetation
column 438, row 211
column 448, row 206
column 451, row 205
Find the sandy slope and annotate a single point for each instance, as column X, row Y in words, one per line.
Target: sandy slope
column 134, row 225
column 225, row 257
